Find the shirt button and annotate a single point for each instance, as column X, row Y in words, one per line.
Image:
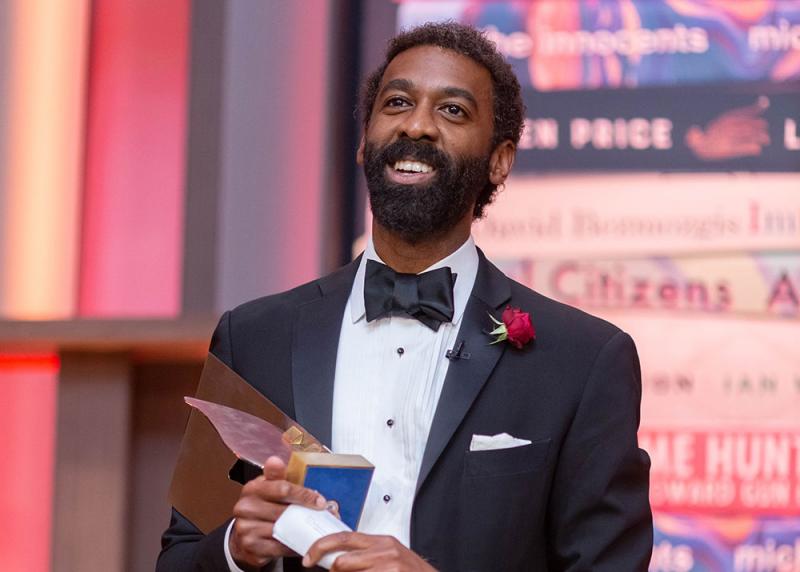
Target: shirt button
column 386, row 498
column 400, row 351
column 390, row 422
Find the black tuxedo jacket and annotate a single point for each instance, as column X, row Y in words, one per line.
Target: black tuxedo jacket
column 575, row 499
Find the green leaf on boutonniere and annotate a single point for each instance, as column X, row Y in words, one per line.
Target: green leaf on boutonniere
column 500, row 331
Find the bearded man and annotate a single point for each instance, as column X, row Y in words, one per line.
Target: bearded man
column 360, row 358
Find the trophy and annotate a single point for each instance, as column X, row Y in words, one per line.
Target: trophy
column 231, row 432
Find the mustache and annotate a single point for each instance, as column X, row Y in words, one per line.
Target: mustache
column 415, row 151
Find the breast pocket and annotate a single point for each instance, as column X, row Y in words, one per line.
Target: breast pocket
column 502, row 508
column 506, row 462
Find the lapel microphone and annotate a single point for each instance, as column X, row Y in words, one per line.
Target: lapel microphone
column 457, row 352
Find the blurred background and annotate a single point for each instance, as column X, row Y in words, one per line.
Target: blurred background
column 164, row 160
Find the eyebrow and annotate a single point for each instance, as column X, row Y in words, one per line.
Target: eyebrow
column 450, row 91
column 462, row 93
column 398, row 84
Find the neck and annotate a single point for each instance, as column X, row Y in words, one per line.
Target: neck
column 413, row 258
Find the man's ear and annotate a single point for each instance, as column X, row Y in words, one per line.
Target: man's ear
column 501, row 161
column 360, row 150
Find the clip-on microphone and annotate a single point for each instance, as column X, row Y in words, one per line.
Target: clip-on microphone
column 457, row 352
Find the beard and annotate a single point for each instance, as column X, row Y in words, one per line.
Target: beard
column 425, row 211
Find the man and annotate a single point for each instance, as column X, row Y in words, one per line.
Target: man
column 360, row 358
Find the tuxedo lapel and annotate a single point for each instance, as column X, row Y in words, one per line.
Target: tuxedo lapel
column 465, row 377
column 315, row 341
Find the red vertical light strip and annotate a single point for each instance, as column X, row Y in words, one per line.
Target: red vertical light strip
column 131, row 247
column 27, row 449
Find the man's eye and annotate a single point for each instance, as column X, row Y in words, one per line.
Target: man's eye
column 454, row 109
column 396, row 102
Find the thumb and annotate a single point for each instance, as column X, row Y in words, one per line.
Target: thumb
column 275, row 469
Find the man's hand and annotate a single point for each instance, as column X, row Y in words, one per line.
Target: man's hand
column 260, row 503
column 365, row 552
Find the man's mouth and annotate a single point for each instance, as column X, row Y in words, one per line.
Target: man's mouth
column 409, row 172
column 412, row 167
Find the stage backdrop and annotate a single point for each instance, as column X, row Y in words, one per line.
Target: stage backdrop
column 658, row 185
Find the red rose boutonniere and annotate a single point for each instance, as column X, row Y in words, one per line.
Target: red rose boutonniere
column 516, row 327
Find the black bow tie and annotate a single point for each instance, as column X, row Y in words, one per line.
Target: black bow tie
column 428, row 297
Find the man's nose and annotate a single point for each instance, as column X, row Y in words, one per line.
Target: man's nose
column 420, row 123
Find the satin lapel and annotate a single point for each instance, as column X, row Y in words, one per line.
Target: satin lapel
column 465, row 378
column 315, row 341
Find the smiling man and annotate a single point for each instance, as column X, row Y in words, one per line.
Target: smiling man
column 515, row 455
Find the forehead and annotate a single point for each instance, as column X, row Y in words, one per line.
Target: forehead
column 431, row 68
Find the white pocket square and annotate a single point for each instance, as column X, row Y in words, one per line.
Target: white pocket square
column 493, row 442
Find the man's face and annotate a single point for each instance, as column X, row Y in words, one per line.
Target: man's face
column 427, row 149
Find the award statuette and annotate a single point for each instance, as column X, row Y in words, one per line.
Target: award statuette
column 341, row 478
column 231, row 432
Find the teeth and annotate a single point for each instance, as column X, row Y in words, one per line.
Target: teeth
column 412, row 167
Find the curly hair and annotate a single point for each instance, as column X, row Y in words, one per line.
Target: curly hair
column 509, row 110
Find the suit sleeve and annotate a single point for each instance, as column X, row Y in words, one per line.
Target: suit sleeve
column 599, row 516
column 184, row 547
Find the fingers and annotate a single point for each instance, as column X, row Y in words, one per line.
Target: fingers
column 365, row 552
column 283, row 492
column 375, row 558
column 260, row 504
column 253, row 543
column 345, row 541
column 272, row 486
column 257, row 509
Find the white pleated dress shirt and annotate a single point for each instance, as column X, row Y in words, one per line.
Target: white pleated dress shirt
column 389, row 376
